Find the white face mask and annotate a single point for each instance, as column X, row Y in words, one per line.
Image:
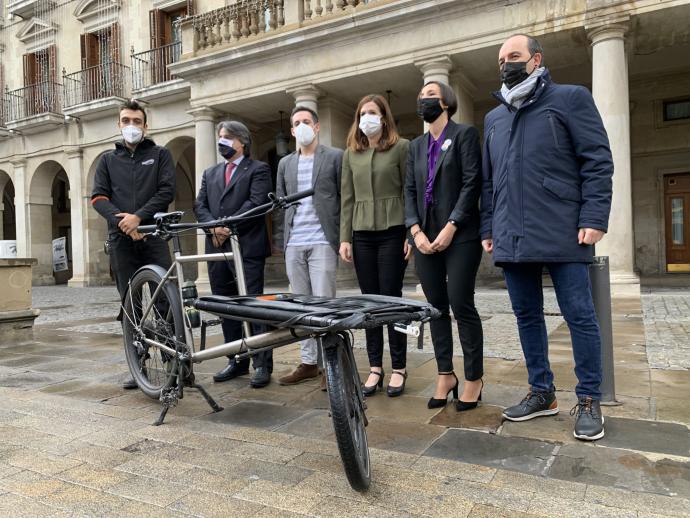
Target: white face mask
column 304, row 134
column 132, row 134
column 370, row 124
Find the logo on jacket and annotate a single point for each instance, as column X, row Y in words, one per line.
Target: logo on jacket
column 150, row 161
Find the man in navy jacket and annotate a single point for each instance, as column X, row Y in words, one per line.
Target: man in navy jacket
column 546, row 198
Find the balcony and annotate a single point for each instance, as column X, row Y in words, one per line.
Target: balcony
column 4, row 111
column 95, row 89
column 151, row 78
column 245, row 20
column 25, row 9
column 34, row 108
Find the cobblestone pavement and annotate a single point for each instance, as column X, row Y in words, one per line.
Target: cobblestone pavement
column 73, row 443
column 667, row 328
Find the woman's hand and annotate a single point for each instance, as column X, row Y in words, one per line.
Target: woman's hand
column 444, row 238
column 488, row 245
column 346, row 251
column 407, row 250
column 422, row 243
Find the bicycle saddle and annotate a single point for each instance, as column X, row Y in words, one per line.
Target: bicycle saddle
column 168, row 217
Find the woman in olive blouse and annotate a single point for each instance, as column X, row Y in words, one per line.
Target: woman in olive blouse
column 372, row 225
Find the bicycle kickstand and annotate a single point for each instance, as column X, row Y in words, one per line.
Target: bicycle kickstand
column 211, row 402
column 168, row 398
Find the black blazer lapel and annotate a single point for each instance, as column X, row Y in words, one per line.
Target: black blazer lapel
column 451, row 131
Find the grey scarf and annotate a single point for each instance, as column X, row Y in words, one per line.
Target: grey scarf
column 516, row 96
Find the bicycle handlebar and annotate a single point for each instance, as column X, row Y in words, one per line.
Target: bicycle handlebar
column 275, row 203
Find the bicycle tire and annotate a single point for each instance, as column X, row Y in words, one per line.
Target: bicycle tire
column 347, row 411
column 152, row 368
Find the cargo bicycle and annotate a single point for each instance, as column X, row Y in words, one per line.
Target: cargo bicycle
column 161, row 310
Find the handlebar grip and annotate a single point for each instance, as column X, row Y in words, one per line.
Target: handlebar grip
column 146, row 228
column 297, row 196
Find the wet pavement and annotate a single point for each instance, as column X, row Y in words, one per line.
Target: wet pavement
column 72, row 442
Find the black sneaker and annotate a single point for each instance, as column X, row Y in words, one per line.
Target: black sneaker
column 535, row 404
column 589, row 425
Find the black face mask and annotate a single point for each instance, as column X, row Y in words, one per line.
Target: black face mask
column 226, row 151
column 429, row 109
column 514, row 72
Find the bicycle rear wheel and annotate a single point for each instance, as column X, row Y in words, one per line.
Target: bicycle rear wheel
column 347, row 410
column 152, row 368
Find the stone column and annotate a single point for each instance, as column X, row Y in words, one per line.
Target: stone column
column 40, row 222
column 464, row 91
column 335, row 119
column 611, row 95
column 306, row 95
column 206, row 155
column 78, row 219
column 21, row 206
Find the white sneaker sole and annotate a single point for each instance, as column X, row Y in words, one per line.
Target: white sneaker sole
column 541, row 413
column 591, row 437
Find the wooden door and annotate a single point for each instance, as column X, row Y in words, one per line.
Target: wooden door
column 677, row 219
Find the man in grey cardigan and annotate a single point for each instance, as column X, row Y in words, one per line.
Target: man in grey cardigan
column 311, row 228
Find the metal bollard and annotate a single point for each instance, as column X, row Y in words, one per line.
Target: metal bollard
column 601, row 295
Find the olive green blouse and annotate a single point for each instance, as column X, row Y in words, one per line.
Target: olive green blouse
column 373, row 183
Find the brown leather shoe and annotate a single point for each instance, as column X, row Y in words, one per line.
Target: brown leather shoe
column 300, row 374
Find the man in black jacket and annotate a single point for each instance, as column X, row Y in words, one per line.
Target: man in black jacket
column 132, row 183
column 232, row 187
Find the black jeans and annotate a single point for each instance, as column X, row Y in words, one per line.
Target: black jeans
column 448, row 279
column 127, row 256
column 222, row 278
column 380, row 265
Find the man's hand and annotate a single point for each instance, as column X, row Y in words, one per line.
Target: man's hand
column 444, row 238
column 407, row 250
column 136, row 236
column 488, row 245
column 128, row 223
column 589, row 236
column 219, row 236
column 346, row 251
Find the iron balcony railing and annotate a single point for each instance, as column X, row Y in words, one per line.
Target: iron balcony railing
column 32, row 100
column 151, row 67
column 95, row 82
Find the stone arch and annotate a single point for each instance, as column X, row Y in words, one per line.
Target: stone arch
column 183, row 152
column 49, row 217
column 8, row 226
column 96, row 231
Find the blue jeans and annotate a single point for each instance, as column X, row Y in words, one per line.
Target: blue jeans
column 574, row 295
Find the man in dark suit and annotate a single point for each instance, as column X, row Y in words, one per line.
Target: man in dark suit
column 232, row 187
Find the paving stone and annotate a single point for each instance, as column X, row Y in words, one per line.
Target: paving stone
column 640, row 502
column 315, row 424
column 453, row 469
column 652, row 436
column 150, row 490
column 558, row 428
column 31, row 484
column 489, row 511
column 590, row 464
column 43, row 463
column 159, row 468
column 484, row 417
column 525, row 455
column 31, row 380
column 143, row 510
column 564, row 489
column 209, row 481
column 281, row 496
column 319, row 462
column 552, row 505
column 407, row 438
column 100, row 455
column 18, row 506
column 512, row 498
column 84, row 501
column 256, row 414
column 202, row 503
column 93, row 477
column 341, row 507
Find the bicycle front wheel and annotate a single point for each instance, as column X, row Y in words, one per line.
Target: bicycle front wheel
column 347, row 410
column 152, row 368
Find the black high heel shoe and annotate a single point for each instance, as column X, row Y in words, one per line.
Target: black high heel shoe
column 461, row 405
column 397, row 391
column 371, row 390
column 438, row 403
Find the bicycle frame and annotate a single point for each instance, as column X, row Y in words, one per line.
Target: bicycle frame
column 243, row 345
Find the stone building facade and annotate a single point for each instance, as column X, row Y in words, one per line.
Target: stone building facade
column 66, row 65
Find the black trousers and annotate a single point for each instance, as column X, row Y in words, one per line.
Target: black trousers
column 127, row 256
column 380, row 265
column 448, row 279
column 221, row 274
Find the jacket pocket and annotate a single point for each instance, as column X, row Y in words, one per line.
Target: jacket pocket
column 552, row 125
column 562, row 190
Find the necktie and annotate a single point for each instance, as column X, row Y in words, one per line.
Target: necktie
column 229, row 168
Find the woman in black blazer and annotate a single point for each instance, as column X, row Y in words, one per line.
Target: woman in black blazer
column 442, row 189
